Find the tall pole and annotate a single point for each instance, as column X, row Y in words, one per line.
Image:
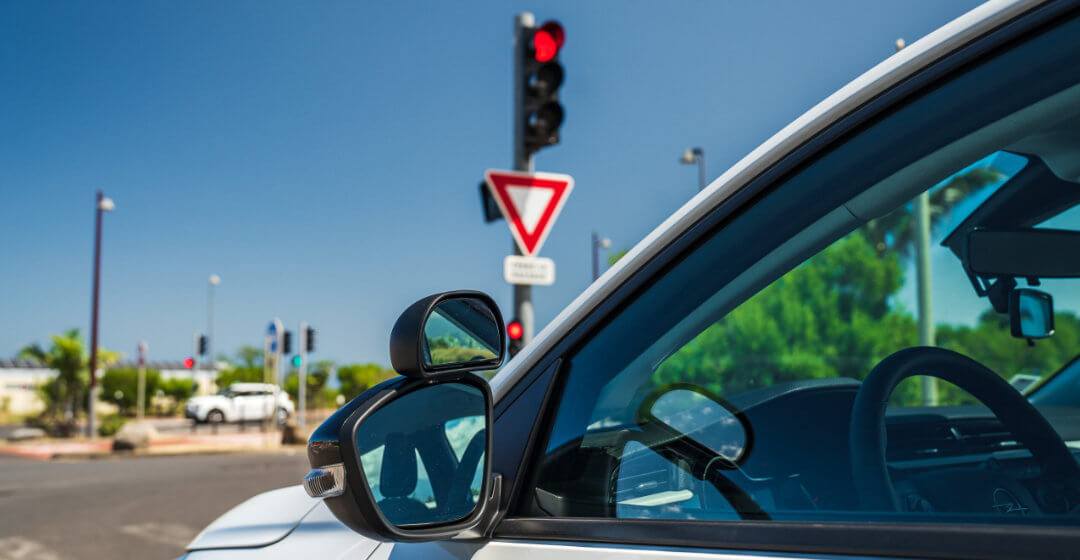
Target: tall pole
column 595, row 256
column 301, row 390
column 140, row 407
column 523, row 306
column 91, row 420
column 923, row 281
column 212, row 282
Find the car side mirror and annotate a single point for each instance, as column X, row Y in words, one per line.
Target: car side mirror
column 410, row 459
column 1031, row 313
column 689, row 411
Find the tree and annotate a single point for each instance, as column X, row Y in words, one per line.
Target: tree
column 66, row 394
column 316, row 378
column 357, row 378
column 120, row 386
column 246, row 368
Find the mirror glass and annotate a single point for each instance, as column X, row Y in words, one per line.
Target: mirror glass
column 424, row 454
column 1031, row 313
column 459, row 332
column 704, row 420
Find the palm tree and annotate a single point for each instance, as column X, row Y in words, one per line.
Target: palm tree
column 67, row 393
column 896, row 230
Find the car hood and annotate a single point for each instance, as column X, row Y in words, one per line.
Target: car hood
column 260, row 521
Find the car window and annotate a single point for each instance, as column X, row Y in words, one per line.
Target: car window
column 796, row 346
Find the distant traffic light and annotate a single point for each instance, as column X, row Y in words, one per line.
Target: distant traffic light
column 202, row 344
column 189, row 362
column 543, row 76
column 286, row 342
column 515, row 332
column 297, row 361
column 309, row 340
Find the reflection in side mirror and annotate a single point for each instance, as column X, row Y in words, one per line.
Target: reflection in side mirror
column 690, row 412
column 402, row 449
column 1031, row 313
column 460, row 332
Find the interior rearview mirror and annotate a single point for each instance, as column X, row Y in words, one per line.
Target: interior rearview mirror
column 1031, row 313
column 691, row 412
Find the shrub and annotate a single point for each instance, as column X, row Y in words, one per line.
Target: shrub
column 110, row 424
column 120, row 387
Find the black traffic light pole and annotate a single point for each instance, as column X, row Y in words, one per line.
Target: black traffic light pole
column 523, row 26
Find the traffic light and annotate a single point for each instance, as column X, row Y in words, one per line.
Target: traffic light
column 286, row 342
column 543, row 76
column 515, row 332
column 309, row 340
column 202, row 345
column 189, row 362
column 297, row 361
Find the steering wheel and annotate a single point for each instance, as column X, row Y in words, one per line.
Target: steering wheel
column 867, row 434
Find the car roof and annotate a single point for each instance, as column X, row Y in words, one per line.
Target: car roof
column 862, row 89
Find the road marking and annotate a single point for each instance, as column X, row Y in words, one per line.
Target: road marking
column 172, row 534
column 18, row 548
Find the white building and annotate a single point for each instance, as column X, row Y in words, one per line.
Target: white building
column 20, row 379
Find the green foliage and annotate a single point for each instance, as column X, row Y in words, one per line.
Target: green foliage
column 357, row 378
column 178, row 388
column 110, row 424
column 120, row 387
column 317, row 376
column 240, row 375
column 65, row 396
column 836, row 316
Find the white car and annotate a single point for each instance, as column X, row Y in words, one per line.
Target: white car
column 723, row 391
column 241, row 402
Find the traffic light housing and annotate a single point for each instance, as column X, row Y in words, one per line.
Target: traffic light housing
column 309, row 340
column 202, row 344
column 286, row 342
column 543, row 77
column 515, row 334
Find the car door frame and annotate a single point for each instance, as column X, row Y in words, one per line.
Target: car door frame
column 526, row 410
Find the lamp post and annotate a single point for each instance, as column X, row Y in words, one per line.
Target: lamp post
column 692, row 156
column 102, row 205
column 213, row 281
column 597, row 244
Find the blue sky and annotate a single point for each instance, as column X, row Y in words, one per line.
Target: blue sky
column 323, row 158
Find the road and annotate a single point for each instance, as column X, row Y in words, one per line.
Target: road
column 143, row 507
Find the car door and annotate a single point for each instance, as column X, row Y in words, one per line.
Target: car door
column 771, row 310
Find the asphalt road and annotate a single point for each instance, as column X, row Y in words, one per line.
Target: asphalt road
column 143, row 507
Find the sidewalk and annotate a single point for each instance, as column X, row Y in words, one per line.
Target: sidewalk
column 166, row 445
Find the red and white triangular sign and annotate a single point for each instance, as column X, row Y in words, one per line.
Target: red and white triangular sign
column 530, row 202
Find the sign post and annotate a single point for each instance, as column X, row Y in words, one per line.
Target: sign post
column 140, row 407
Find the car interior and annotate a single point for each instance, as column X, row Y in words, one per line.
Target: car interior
column 999, row 457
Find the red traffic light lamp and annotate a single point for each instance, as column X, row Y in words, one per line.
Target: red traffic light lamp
column 189, row 362
column 547, row 41
column 514, row 330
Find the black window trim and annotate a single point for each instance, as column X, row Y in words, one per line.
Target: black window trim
column 930, row 541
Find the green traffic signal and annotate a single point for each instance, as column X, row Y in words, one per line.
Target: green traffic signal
column 296, row 361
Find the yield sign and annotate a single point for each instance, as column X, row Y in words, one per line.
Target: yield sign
column 530, row 202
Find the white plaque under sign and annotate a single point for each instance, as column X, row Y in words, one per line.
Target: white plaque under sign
column 532, row 271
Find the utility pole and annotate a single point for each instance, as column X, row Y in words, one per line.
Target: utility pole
column 140, row 406
column 102, row 205
column 692, row 156
column 523, row 161
column 923, row 281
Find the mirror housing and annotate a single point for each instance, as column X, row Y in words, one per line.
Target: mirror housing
column 1031, row 313
column 409, row 460
column 472, row 316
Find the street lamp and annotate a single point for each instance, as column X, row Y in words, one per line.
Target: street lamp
column 103, row 204
column 213, row 281
column 597, row 244
column 692, row 156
